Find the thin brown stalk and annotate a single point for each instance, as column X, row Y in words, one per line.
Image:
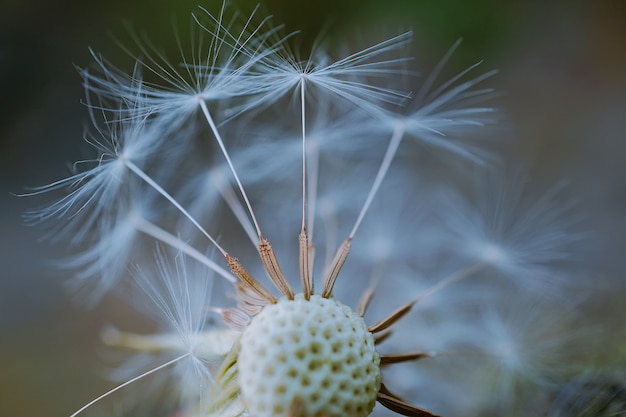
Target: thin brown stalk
column 248, row 280
column 382, row 336
column 248, row 301
column 402, row 357
column 364, row 301
column 335, row 267
column 305, row 264
column 270, row 263
column 235, row 318
column 395, row 404
column 391, row 319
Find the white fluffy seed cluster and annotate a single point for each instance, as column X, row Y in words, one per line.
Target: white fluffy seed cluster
column 318, row 352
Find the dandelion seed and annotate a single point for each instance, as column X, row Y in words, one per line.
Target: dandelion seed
column 188, row 346
column 217, row 69
column 444, row 116
column 525, row 240
column 98, row 191
column 343, row 78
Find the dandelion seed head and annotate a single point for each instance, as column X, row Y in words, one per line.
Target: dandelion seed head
column 332, row 173
column 491, row 252
column 316, row 351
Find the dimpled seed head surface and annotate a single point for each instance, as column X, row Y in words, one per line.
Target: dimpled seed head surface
column 317, row 351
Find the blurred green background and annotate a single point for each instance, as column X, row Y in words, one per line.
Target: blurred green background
column 563, row 68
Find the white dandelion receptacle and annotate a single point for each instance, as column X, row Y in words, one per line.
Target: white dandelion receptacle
column 317, row 352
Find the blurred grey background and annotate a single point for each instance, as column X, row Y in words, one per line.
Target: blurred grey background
column 563, row 68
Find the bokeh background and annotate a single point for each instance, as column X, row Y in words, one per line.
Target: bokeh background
column 562, row 68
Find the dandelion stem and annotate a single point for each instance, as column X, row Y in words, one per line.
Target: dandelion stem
column 457, row 276
column 158, row 368
column 392, row 148
column 235, row 206
column 303, row 119
column 335, row 267
column 303, row 239
column 312, row 177
column 268, row 257
column 403, row 310
column 220, row 142
column 156, row 232
column 344, row 249
column 135, row 169
column 331, row 225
